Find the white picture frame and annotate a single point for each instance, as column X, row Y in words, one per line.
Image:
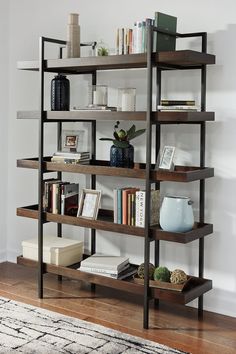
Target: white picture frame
column 89, row 204
column 166, row 158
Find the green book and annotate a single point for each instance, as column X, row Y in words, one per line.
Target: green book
column 164, row 42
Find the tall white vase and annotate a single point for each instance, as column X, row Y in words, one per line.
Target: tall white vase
column 73, row 36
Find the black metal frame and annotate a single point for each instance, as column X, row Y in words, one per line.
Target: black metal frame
column 150, row 66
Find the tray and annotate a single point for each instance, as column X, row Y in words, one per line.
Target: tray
column 163, row 284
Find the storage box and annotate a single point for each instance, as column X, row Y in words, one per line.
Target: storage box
column 56, row 250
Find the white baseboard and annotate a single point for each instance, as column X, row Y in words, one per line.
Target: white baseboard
column 3, row 256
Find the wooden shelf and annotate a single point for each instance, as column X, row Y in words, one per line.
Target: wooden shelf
column 105, row 222
column 180, row 59
column 102, row 168
column 196, row 287
column 156, row 117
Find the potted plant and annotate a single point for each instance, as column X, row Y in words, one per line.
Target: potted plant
column 122, row 152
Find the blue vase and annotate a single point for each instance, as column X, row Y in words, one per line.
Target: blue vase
column 122, row 157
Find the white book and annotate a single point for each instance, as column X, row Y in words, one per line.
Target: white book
column 131, row 270
column 177, row 107
column 101, row 261
column 140, row 208
column 102, row 270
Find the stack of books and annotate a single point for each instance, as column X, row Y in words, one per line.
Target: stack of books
column 129, row 206
column 116, row 267
column 71, row 157
column 60, row 197
column 177, row 105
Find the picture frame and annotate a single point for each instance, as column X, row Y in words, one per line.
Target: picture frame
column 72, row 140
column 89, row 203
column 166, row 158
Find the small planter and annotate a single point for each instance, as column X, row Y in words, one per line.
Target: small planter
column 122, row 157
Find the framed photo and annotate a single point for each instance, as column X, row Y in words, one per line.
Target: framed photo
column 89, row 203
column 72, row 141
column 166, row 158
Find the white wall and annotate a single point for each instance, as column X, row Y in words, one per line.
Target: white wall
column 4, row 40
column 100, row 19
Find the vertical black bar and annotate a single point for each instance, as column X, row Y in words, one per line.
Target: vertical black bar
column 93, row 177
column 148, row 165
column 40, row 171
column 202, row 164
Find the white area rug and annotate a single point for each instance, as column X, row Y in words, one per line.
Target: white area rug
column 28, row 329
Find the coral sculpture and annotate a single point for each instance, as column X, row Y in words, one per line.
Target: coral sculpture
column 162, row 274
column 178, row 276
column 141, row 270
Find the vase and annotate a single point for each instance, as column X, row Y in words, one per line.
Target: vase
column 122, row 157
column 176, row 214
column 60, row 93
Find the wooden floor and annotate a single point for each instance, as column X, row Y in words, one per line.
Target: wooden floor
column 176, row 326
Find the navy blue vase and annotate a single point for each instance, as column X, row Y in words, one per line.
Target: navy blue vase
column 122, row 157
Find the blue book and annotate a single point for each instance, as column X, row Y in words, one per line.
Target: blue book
column 119, row 206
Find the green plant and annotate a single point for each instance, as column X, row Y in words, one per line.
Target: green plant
column 162, row 274
column 122, row 137
column 102, row 51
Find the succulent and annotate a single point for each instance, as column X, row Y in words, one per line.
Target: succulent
column 141, row 270
column 162, row 274
column 178, row 276
column 121, row 138
column 102, row 51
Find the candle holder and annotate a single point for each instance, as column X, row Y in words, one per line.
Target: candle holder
column 126, row 99
column 97, row 95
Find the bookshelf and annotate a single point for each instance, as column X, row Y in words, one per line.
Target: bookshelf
column 177, row 60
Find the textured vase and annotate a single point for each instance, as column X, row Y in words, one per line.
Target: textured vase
column 122, row 157
column 60, row 93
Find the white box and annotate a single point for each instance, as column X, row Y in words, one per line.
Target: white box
column 56, row 250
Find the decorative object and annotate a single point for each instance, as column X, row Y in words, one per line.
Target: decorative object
column 164, row 284
column 126, row 99
column 73, row 36
column 29, row 329
column 162, row 274
column 89, row 203
column 176, row 214
column 141, row 270
column 166, row 159
column 102, row 48
column 97, row 96
column 72, row 140
column 60, row 93
column 178, row 276
column 122, row 152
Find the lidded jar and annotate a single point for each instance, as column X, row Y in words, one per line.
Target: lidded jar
column 176, row 214
column 60, row 93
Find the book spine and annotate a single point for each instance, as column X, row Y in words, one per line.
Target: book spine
column 132, row 223
column 119, row 206
column 115, row 191
column 129, row 209
column 124, row 207
column 122, row 41
column 130, row 41
column 137, row 214
column 117, row 41
column 180, row 107
column 177, row 102
column 142, row 209
column 155, row 207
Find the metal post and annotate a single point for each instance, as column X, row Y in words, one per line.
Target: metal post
column 40, row 170
column 148, row 165
column 93, row 177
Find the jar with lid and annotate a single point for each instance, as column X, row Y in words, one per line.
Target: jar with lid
column 60, row 93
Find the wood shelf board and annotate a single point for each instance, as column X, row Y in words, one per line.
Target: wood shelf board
column 102, row 168
column 105, row 223
column 156, row 117
column 196, row 288
column 165, row 60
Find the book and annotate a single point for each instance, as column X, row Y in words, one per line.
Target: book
column 162, row 41
column 131, row 270
column 71, row 155
column 69, row 199
column 101, row 261
column 140, row 208
column 125, row 193
column 177, row 102
column 115, row 191
column 104, row 271
column 177, row 108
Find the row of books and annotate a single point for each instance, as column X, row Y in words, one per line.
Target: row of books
column 134, row 40
column 129, row 206
column 177, row 105
column 116, row 267
column 60, row 197
column 71, row 157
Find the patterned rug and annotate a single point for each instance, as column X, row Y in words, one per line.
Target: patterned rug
column 28, row 329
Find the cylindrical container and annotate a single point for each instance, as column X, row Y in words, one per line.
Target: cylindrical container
column 122, row 157
column 60, row 93
column 126, row 99
column 176, row 214
column 98, row 95
column 73, row 36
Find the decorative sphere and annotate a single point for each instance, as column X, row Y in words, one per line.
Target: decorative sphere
column 162, row 274
column 178, row 276
column 141, row 270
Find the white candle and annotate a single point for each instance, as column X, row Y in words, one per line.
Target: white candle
column 98, row 97
column 127, row 102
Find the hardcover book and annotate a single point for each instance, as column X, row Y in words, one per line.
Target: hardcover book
column 140, row 208
column 164, row 42
column 69, row 199
column 101, row 261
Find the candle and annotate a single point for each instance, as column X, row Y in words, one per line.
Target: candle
column 127, row 102
column 98, row 97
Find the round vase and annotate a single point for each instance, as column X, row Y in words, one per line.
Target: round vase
column 122, row 157
column 176, row 214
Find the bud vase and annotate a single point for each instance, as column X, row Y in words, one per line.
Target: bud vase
column 122, row 157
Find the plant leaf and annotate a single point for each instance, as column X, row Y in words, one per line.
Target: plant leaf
column 137, row 133
column 107, row 139
column 121, row 144
column 116, row 136
column 131, row 131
